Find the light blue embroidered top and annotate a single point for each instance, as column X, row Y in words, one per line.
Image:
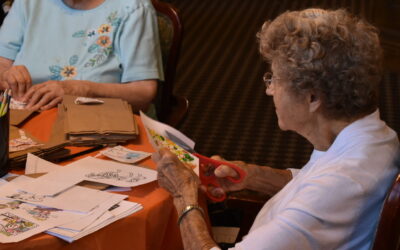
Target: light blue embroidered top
column 115, row 42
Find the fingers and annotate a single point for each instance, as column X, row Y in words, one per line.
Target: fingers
column 34, row 96
column 28, row 95
column 44, row 96
column 24, row 79
column 52, row 103
column 3, row 85
column 223, row 171
column 216, row 192
column 217, row 157
column 157, row 156
column 18, row 80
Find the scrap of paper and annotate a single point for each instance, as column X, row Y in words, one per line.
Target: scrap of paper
column 22, row 143
column 123, row 154
column 15, row 104
column 88, row 100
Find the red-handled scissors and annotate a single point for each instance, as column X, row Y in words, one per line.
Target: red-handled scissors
column 207, row 167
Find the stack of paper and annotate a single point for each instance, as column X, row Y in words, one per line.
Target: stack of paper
column 55, row 204
column 116, row 212
column 102, row 121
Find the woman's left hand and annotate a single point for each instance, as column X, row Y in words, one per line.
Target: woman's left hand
column 44, row 96
column 178, row 179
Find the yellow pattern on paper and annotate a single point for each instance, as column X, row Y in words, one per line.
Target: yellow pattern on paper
column 183, row 155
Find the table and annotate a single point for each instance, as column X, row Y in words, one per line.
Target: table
column 154, row 227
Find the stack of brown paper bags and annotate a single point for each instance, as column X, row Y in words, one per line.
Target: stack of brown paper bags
column 110, row 122
column 49, row 151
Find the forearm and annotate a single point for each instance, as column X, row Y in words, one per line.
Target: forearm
column 139, row 94
column 266, row 179
column 5, row 64
column 194, row 229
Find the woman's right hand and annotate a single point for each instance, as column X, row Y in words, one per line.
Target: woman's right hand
column 223, row 171
column 18, row 79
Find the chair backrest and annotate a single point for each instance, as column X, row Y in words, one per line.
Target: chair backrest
column 170, row 108
column 388, row 232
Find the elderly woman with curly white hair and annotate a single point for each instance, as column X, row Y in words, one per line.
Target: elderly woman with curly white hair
column 325, row 68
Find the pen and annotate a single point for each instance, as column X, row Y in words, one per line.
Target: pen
column 69, row 157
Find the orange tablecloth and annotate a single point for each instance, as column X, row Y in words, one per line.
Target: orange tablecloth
column 154, row 227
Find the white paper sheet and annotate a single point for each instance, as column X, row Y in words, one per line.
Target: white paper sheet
column 113, row 173
column 35, row 164
column 3, row 182
column 52, row 183
column 162, row 128
column 91, row 169
column 87, row 220
column 21, row 179
column 20, row 221
column 76, row 198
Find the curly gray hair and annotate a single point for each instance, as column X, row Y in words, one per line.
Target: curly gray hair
column 329, row 52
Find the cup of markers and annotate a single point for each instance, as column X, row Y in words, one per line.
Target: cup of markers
column 5, row 98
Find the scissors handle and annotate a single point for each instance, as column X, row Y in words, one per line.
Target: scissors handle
column 208, row 178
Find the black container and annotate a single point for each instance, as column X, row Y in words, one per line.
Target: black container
column 4, row 137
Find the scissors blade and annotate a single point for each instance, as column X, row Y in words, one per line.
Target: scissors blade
column 179, row 142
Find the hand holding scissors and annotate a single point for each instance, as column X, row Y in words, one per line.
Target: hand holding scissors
column 207, row 168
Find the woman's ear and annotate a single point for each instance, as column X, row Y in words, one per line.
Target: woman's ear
column 314, row 101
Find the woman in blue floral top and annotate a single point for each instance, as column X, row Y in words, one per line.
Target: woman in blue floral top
column 93, row 48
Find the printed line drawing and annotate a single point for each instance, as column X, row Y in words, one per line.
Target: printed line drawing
column 116, row 175
column 11, row 204
column 42, row 213
column 12, row 225
column 24, row 196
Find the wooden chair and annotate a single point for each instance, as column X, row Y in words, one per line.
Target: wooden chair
column 171, row 109
column 388, row 232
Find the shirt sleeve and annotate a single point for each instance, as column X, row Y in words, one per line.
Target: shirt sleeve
column 12, row 31
column 309, row 222
column 139, row 47
column 294, row 171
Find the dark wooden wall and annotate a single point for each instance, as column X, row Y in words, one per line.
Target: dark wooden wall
column 386, row 15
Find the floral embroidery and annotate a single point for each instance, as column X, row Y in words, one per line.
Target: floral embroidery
column 69, row 72
column 100, row 41
column 104, row 29
column 104, row 41
column 91, row 33
column 66, row 72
